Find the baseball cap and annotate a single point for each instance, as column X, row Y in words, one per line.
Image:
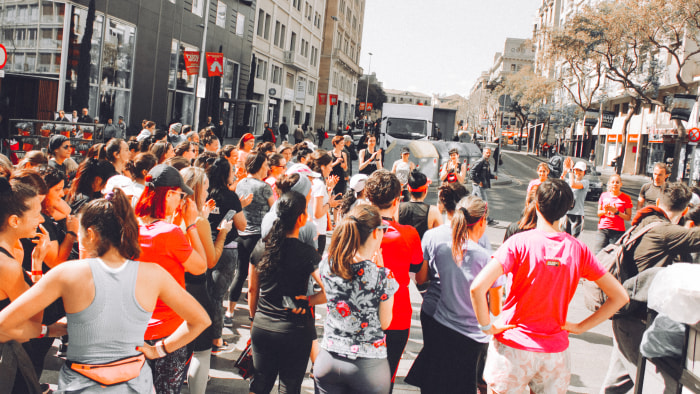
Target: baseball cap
column 302, row 169
column 357, row 182
column 580, row 166
column 121, row 182
column 56, row 141
column 163, row 175
column 405, row 150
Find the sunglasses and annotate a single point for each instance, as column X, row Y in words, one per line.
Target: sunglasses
column 68, row 147
column 383, row 227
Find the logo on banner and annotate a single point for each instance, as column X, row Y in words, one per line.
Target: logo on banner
column 369, row 106
column 191, row 62
column 362, row 106
column 215, row 64
column 333, row 99
column 322, row 98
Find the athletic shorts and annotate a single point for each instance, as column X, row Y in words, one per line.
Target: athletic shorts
column 510, row 370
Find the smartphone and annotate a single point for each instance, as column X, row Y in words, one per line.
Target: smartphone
column 229, row 215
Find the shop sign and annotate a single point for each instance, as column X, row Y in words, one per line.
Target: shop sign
column 591, row 118
column 191, row 62
column 633, row 138
column 215, row 64
column 608, row 119
column 301, row 91
column 614, row 138
column 682, row 106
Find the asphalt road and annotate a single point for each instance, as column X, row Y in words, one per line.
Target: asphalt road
column 590, row 352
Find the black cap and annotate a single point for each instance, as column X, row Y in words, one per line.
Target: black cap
column 405, row 150
column 56, row 141
column 163, row 175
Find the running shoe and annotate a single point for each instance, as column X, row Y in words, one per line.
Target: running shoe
column 228, row 321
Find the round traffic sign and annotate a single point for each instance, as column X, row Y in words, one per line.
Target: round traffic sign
column 3, row 56
column 694, row 134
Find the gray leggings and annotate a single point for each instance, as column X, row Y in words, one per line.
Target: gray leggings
column 218, row 282
column 337, row 375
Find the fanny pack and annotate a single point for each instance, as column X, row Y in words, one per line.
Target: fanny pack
column 116, row 372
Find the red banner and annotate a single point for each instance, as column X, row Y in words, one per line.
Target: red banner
column 362, row 106
column 215, row 64
column 322, row 98
column 333, row 99
column 191, row 62
column 369, row 106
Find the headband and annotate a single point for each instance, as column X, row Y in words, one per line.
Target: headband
column 420, row 189
column 248, row 137
column 466, row 216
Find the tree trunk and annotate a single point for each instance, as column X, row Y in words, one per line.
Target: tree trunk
column 625, row 125
column 681, row 141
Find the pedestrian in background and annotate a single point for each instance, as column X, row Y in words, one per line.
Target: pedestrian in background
column 452, row 171
column 371, row 157
column 650, row 192
column 579, row 186
column 480, row 173
column 614, row 209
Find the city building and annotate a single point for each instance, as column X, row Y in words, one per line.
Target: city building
column 339, row 64
column 287, row 47
column 126, row 58
column 477, row 113
column 406, row 97
column 456, row 102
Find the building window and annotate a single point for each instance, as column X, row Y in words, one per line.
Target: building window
column 229, row 82
column 293, row 42
column 312, row 88
column 261, row 69
column 512, row 67
column 277, row 33
column 180, row 85
column 198, row 7
column 268, row 21
column 276, row 74
column 290, row 81
column 261, row 23
column 314, row 56
column 221, row 14
column 240, row 25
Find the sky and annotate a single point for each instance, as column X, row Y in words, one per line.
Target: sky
column 439, row 46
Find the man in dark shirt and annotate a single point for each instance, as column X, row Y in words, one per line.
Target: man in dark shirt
column 268, row 134
column 85, row 118
column 481, row 178
column 650, row 192
column 284, row 129
column 61, row 116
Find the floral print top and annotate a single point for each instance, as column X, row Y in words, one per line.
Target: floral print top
column 352, row 327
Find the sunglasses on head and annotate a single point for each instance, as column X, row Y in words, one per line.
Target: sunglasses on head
column 383, row 227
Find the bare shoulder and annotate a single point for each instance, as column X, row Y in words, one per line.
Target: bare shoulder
column 9, row 268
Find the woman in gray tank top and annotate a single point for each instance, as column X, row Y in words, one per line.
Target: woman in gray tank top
column 99, row 293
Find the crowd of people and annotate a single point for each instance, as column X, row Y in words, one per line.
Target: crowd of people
column 138, row 257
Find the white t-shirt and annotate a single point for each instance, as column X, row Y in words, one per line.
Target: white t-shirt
column 318, row 189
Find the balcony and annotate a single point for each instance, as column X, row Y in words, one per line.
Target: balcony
column 294, row 60
column 340, row 56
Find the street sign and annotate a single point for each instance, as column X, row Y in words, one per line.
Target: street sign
column 694, row 134
column 3, row 56
column 215, row 64
column 202, row 88
column 191, row 62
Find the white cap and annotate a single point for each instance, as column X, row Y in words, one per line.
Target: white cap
column 357, row 182
column 581, row 165
column 299, row 168
column 122, row 182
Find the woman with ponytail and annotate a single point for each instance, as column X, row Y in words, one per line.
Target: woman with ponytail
column 454, row 346
column 360, row 293
column 98, row 292
column 283, row 327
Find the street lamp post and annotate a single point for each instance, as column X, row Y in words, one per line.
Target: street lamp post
column 369, row 69
column 202, row 61
column 330, row 73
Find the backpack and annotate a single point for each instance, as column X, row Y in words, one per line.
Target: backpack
column 612, row 258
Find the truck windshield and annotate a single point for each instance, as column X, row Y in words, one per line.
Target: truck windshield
column 410, row 129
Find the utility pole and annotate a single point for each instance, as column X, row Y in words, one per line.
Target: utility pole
column 202, row 62
column 367, row 87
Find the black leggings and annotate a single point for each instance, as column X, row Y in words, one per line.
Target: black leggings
column 284, row 354
column 246, row 244
column 395, row 344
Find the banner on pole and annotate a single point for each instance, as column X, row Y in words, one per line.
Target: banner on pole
column 333, row 99
column 191, row 62
column 322, row 98
column 215, row 64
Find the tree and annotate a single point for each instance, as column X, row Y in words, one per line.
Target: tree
column 527, row 91
column 375, row 95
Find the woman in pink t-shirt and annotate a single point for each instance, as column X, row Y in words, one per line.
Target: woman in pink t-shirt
column 542, row 174
column 614, row 208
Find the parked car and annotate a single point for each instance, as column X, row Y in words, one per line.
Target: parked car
column 595, row 184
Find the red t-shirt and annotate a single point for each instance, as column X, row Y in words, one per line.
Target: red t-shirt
column 546, row 269
column 166, row 245
column 401, row 250
column 621, row 202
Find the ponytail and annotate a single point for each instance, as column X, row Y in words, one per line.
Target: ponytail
column 290, row 206
column 469, row 211
column 349, row 198
column 351, row 233
column 105, row 215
